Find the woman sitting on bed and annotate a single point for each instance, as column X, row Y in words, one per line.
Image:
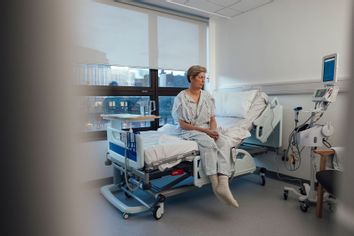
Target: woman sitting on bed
column 194, row 110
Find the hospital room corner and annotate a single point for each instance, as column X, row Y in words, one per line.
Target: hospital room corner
column 171, row 117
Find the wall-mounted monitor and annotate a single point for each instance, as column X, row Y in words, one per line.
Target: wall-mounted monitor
column 329, row 68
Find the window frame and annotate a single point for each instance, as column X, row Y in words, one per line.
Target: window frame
column 154, row 92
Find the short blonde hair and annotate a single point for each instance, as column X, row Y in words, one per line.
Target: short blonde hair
column 194, row 71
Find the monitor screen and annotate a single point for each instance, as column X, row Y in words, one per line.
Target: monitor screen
column 329, row 69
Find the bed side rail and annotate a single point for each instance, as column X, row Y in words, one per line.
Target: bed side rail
column 269, row 125
column 122, row 144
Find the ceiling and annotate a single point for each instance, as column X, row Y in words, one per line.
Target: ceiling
column 207, row 8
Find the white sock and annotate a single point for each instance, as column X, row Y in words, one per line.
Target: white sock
column 223, row 190
column 214, row 184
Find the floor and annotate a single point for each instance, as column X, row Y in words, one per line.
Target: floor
column 262, row 212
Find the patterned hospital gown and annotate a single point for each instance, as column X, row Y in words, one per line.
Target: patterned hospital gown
column 215, row 155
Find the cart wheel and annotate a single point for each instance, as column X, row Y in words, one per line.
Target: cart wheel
column 303, row 206
column 158, row 212
column 285, row 194
column 125, row 216
column 332, row 207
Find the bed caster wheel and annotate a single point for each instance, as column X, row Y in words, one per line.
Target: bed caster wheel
column 262, row 174
column 161, row 198
column 285, row 194
column 158, row 212
column 302, row 190
column 303, row 206
column 263, row 180
column 125, row 216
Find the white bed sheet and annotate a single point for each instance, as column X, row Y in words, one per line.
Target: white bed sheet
column 164, row 143
column 159, row 146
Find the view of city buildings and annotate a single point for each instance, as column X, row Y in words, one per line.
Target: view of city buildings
column 106, row 75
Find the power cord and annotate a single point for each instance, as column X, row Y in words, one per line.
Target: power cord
column 326, row 143
column 285, row 178
column 129, row 135
column 293, row 151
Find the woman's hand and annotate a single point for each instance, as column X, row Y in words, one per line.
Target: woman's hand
column 212, row 133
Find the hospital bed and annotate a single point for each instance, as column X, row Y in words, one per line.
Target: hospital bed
column 140, row 159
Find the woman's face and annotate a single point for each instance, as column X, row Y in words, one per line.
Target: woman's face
column 197, row 82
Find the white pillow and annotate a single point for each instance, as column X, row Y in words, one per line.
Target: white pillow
column 234, row 104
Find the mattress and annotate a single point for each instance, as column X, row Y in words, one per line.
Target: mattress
column 166, row 143
column 159, row 146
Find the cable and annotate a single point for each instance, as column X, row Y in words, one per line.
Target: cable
column 126, row 162
column 295, row 155
column 293, row 146
column 277, row 164
column 132, row 189
column 326, row 143
column 285, row 178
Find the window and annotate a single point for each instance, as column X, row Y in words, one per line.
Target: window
column 165, row 105
column 171, row 78
column 93, row 106
column 130, row 56
column 107, row 75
